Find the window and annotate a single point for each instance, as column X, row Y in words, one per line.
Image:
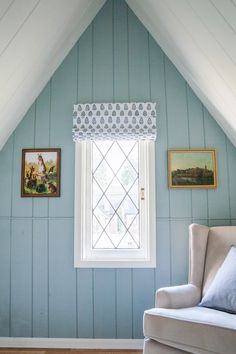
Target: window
column 115, row 203
column 114, row 184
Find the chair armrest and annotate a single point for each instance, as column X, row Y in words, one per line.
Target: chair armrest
column 175, row 297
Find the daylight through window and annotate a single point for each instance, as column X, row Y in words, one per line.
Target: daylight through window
column 115, row 204
column 115, row 189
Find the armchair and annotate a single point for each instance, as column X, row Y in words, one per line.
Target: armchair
column 177, row 324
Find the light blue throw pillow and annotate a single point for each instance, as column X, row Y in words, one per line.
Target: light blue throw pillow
column 221, row 294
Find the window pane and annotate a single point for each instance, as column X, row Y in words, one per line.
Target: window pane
column 115, row 193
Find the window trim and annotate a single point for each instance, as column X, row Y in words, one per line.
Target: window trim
column 84, row 258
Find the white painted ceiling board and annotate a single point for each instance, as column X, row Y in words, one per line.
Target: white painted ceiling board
column 216, row 25
column 35, row 52
column 13, row 20
column 40, row 33
column 4, row 5
column 196, row 52
column 204, row 42
column 227, row 9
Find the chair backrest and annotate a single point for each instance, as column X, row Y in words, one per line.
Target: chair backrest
column 220, row 240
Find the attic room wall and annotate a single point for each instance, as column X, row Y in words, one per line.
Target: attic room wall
column 41, row 294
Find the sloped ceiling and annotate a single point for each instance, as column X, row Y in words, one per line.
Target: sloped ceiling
column 199, row 37
column 35, row 37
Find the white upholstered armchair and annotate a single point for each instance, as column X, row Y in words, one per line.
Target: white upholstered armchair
column 177, row 324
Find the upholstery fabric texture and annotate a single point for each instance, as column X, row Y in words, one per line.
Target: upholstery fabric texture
column 220, row 240
column 198, row 239
column 221, row 295
column 152, row 347
column 193, row 329
column 178, row 296
column 177, row 323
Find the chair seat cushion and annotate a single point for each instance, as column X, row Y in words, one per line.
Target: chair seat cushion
column 194, row 329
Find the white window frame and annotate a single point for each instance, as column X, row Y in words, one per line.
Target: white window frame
column 84, row 255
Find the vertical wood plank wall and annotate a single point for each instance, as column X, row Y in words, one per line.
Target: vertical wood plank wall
column 41, row 294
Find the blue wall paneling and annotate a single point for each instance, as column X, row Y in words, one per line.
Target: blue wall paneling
column 41, row 293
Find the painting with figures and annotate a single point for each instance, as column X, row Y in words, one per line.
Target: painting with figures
column 40, row 173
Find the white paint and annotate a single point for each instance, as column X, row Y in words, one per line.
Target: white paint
column 33, row 48
column 78, row 343
column 199, row 38
column 4, row 5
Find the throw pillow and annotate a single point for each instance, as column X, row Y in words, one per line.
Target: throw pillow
column 221, row 294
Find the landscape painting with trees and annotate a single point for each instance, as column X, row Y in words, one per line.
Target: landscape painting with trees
column 192, row 168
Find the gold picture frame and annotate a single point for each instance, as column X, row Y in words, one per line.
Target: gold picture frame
column 192, row 168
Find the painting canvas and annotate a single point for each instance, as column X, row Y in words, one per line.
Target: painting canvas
column 40, row 173
column 192, row 168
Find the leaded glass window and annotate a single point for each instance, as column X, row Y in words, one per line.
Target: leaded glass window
column 115, row 204
column 115, row 190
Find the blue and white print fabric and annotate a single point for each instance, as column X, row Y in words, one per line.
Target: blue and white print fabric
column 114, row 121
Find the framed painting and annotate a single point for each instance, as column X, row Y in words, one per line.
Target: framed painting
column 192, row 168
column 40, row 174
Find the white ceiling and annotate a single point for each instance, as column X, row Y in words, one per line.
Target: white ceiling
column 199, row 37
column 35, row 37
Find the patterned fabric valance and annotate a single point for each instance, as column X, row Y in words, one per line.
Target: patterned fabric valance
column 119, row 121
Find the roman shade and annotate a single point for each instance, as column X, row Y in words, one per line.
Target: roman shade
column 114, row 121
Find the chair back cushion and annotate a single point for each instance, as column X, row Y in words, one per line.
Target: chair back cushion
column 220, row 240
column 221, row 294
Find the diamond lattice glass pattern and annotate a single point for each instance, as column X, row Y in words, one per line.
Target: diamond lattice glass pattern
column 115, row 191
